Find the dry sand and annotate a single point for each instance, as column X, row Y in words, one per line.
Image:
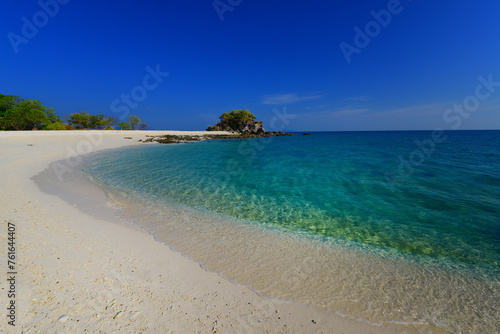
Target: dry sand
column 77, row 273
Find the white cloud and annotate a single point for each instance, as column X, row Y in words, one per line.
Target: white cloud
column 288, row 98
column 359, row 98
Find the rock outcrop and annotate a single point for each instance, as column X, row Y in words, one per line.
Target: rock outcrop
column 252, row 127
column 249, row 126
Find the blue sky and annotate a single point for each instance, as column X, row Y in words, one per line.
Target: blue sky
column 264, row 56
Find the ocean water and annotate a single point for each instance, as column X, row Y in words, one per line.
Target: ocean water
column 383, row 226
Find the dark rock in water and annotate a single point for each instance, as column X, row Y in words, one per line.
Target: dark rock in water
column 175, row 139
column 306, row 134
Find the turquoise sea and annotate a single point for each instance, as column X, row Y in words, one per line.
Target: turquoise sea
column 383, row 226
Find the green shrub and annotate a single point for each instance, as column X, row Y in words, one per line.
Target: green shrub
column 124, row 126
column 213, row 128
column 55, row 126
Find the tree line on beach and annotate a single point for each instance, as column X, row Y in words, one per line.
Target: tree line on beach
column 17, row 113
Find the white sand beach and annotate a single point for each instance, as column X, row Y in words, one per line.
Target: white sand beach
column 77, row 273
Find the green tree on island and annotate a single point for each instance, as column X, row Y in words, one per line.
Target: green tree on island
column 233, row 120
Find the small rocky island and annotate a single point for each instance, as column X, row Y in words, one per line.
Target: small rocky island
column 241, row 123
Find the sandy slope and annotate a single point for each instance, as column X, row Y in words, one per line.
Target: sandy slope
column 80, row 274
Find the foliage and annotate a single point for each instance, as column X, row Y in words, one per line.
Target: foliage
column 134, row 121
column 28, row 114
column 98, row 122
column 79, row 120
column 7, row 104
column 124, row 126
column 233, row 120
column 213, row 128
column 24, row 114
column 55, row 126
column 53, row 118
column 237, row 116
column 112, row 121
column 84, row 120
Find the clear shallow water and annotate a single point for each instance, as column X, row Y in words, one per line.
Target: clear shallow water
column 424, row 248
